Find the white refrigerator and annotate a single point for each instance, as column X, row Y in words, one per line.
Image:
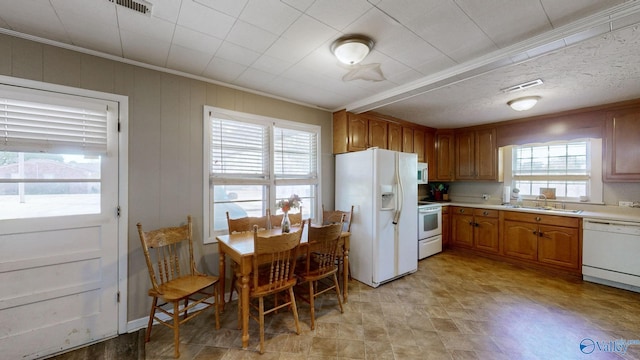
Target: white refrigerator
column 382, row 185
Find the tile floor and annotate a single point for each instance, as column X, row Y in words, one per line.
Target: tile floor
column 457, row 306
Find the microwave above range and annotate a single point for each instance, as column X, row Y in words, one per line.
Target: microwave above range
column 423, row 173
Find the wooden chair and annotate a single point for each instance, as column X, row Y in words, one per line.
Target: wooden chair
column 320, row 263
column 174, row 277
column 274, row 261
column 333, row 216
column 243, row 224
column 295, row 218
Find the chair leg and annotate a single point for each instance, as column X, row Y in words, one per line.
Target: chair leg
column 176, row 329
column 234, row 278
column 295, row 310
column 147, row 335
column 335, row 283
column 261, row 316
column 312, row 305
column 186, row 304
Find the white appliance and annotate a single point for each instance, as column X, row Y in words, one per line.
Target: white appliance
column 611, row 253
column 423, row 173
column 382, row 186
column 429, row 230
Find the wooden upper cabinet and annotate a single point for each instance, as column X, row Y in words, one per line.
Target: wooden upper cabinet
column 444, row 156
column 407, row 139
column 340, row 132
column 622, row 146
column 476, row 155
column 419, row 144
column 430, row 152
column 358, row 132
column 377, row 133
column 394, row 137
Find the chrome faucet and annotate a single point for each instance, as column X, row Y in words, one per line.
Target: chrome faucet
column 541, row 196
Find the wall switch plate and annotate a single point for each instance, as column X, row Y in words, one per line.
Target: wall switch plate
column 625, row 203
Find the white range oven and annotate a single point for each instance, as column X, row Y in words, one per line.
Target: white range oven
column 429, row 229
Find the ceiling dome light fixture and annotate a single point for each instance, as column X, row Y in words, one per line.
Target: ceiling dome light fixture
column 351, row 49
column 523, row 103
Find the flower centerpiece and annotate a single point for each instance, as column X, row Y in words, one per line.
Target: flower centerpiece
column 285, row 205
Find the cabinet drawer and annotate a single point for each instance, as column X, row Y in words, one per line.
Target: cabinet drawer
column 485, row 213
column 461, row 210
column 542, row 219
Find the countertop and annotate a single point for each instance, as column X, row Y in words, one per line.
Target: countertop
column 618, row 213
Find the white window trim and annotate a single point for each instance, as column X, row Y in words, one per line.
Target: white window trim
column 596, row 189
column 209, row 237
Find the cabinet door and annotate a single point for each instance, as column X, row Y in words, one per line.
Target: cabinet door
column 407, row 139
column 462, row 227
column 430, row 153
column 444, row 156
column 485, row 234
column 520, row 240
column 340, row 132
column 357, row 133
column 486, row 155
column 465, row 156
column 418, row 144
column 377, row 133
column 559, row 246
column 446, row 227
column 622, row 148
column 394, row 137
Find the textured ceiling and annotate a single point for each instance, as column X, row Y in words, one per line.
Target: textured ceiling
column 444, row 61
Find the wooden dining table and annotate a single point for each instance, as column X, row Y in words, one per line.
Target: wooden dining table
column 239, row 248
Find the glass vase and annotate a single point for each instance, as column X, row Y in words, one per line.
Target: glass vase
column 286, row 223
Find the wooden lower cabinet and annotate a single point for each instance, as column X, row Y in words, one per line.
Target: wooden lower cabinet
column 520, row 240
column 446, row 227
column 549, row 241
column 559, row 246
column 475, row 228
column 546, row 239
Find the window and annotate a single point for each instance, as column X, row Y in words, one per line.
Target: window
column 252, row 162
column 561, row 168
column 51, row 147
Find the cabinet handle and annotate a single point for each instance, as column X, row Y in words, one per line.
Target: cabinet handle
column 538, row 218
column 535, row 233
column 461, row 211
column 485, row 213
column 476, row 224
column 471, row 223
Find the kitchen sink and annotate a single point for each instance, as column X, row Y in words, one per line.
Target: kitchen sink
column 545, row 208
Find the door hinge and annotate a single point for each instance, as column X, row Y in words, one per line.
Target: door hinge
column 118, row 126
column 118, row 296
column 118, row 211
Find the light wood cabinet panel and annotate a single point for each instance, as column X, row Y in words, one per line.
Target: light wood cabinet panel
column 622, row 146
column 407, row 139
column 430, row 153
column 476, row 155
column 559, row 246
column 358, row 130
column 444, row 156
column 485, row 230
column 465, row 156
column 340, row 132
column 377, row 133
column 418, row 144
column 520, row 240
column 462, row 227
column 394, row 137
column 446, row 227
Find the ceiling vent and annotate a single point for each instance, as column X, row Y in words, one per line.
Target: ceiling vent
column 141, row 6
column 522, row 86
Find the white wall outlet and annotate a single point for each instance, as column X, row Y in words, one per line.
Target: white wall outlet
column 625, row 203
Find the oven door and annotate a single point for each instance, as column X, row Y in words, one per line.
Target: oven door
column 429, row 221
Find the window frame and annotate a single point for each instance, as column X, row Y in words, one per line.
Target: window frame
column 270, row 181
column 595, row 184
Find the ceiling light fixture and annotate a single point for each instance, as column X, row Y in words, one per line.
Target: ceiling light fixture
column 352, row 49
column 523, row 103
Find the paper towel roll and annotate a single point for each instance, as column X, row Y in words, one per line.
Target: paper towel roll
column 506, row 194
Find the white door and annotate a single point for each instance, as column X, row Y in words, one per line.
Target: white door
column 59, row 255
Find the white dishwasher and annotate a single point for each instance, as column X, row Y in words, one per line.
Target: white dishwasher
column 611, row 253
